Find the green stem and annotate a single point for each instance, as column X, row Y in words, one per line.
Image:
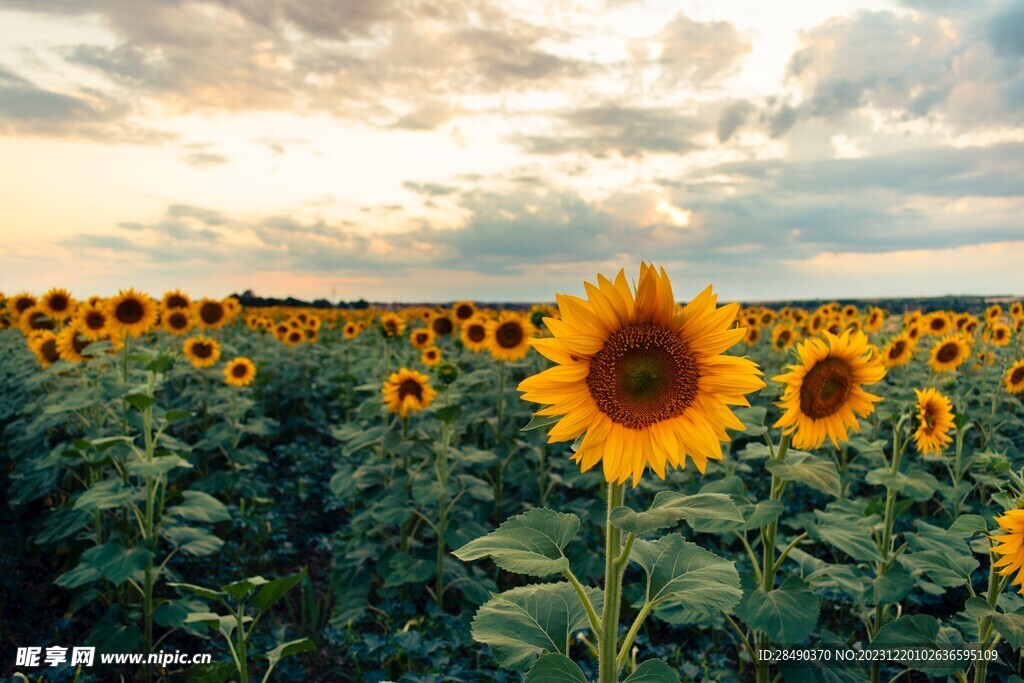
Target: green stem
column 442, row 521
column 769, row 564
column 608, row 670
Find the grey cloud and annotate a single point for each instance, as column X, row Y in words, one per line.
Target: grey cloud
column 429, row 189
column 731, row 118
column 698, row 52
column 205, row 159
column 1006, row 31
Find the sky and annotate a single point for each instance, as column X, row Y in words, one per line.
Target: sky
column 405, row 150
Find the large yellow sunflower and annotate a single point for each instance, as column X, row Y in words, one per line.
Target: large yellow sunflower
column 239, row 372
column 130, row 313
column 825, row 389
column 938, row 323
column 1014, row 378
column 35, row 318
column 645, row 386
column 948, row 353
column 407, row 391
column 201, row 352
column 508, row 337
column 57, row 304
column 474, row 334
column 1010, row 544
column 91, row 321
column 935, row 421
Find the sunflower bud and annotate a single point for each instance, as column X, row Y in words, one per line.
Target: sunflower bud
column 447, row 373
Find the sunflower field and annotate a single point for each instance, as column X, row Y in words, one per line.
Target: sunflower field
column 616, row 487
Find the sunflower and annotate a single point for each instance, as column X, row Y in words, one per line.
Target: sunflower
column 91, row 321
column 176, row 299
column 474, row 334
column 407, row 391
column 463, row 311
column 850, row 311
column 508, row 337
column 71, row 344
column 875, row 320
column 766, row 317
column 935, row 421
column 57, row 304
column 44, row 345
column 442, row 325
column 1014, row 378
column 431, row 356
column 1010, row 544
column 209, row 314
column 239, row 372
column 752, row 335
column 938, row 323
column 177, row 321
column 1017, row 310
column 421, row 338
column 35, row 318
column 19, row 303
column 130, row 313
column 391, row 325
column 647, row 387
column 540, row 311
column 233, row 307
column 784, row 336
column 993, row 312
column 825, row 389
column 948, row 353
column 898, row 351
column 350, row 331
column 1000, row 334
column 293, row 337
column 201, row 352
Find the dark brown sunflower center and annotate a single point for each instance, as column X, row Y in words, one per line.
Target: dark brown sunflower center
column 240, row 370
column 49, row 351
column 95, row 320
column 178, row 321
column 176, row 301
column 202, row 350
column 39, row 321
column 59, row 303
column 442, row 326
column 22, row 305
column 464, row 312
column 897, row 349
column 1018, row 376
column 929, row 417
column 644, row 374
column 211, row 312
column 825, row 388
column 783, row 338
column 129, row 311
column 1000, row 334
column 410, row 387
column 509, row 334
column 938, row 324
column 476, row 333
column 295, row 336
column 421, row 337
column 948, row 353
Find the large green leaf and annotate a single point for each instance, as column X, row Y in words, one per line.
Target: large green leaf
column 111, row 561
column 200, row 507
column 653, row 671
column 274, row 590
column 919, row 631
column 530, row 543
column 808, row 469
column 947, row 569
column 192, row 540
column 670, row 506
column 532, row 620
column 555, row 668
column 787, row 614
column 288, row 649
column 107, row 494
column 850, row 534
column 1010, row 626
column 685, row 572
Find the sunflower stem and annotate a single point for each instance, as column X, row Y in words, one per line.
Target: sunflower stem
column 769, row 565
column 608, row 669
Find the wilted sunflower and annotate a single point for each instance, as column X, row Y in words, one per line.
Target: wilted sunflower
column 71, row 344
column 177, row 321
column 1010, row 544
column 19, row 303
column 391, row 325
column 474, row 334
column 646, row 387
column 463, row 311
column 421, row 338
column 407, row 391
column 350, row 331
column 176, row 299
column 898, row 351
column 201, row 352
column 824, row 391
column 130, row 313
column 999, row 334
column 44, row 345
column 1014, row 378
column 239, row 372
column 57, row 304
column 35, row 318
column 508, row 337
column 948, row 353
column 935, row 421
column 431, row 356
column 209, row 314
column 91, row 321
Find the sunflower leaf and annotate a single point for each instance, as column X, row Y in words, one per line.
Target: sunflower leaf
column 850, row 534
column 689, row 575
column 532, row 620
column 555, row 668
column 653, row 671
column 671, row 506
column 787, row 613
column 530, row 543
column 921, row 631
column 807, row 469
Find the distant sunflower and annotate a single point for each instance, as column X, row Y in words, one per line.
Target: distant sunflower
column 44, row 345
column 421, row 338
column 938, row 323
column 209, row 314
column 130, row 313
column 57, row 304
column 784, row 336
column 1014, row 378
column 1000, row 334
column 312, row 335
column 825, row 389
column 294, row 337
column 20, row 302
column 407, row 391
column 442, row 326
column 391, row 325
column 474, row 334
column 35, row 318
column 643, row 386
column 201, row 352
column 766, row 317
column 948, row 353
column 898, row 351
column 1010, row 544
column 993, row 312
column 233, row 307
column 913, row 332
column 239, row 372
column 176, row 299
column 752, row 335
column 850, row 311
column 935, row 421
column 91, row 321
column 875, row 320
column 350, row 331
column 71, row 345
column 431, row 356
column 1017, row 310
column 508, row 337
column 463, row 311
column 177, row 321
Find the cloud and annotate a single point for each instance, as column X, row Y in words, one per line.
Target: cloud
column 697, row 52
